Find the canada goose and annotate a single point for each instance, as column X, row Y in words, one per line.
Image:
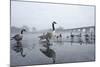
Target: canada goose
column 18, row 37
column 48, row 35
column 87, row 38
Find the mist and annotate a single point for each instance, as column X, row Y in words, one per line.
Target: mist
column 41, row 15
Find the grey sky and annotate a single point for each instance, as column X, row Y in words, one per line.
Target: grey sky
column 41, row 15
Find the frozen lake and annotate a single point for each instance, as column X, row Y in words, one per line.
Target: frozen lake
column 64, row 52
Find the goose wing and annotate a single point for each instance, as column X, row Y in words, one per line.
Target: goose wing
column 17, row 37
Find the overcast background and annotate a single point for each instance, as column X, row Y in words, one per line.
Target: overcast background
column 41, row 15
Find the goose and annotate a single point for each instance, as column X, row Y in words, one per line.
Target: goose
column 49, row 35
column 87, row 38
column 59, row 37
column 18, row 37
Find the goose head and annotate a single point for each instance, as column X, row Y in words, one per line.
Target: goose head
column 23, row 30
column 54, row 22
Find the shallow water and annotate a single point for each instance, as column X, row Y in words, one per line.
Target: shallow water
column 64, row 52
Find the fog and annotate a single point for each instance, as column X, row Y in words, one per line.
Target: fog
column 41, row 15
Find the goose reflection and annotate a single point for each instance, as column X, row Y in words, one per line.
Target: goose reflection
column 19, row 48
column 50, row 53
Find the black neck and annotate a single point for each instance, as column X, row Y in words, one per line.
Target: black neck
column 22, row 32
column 53, row 27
